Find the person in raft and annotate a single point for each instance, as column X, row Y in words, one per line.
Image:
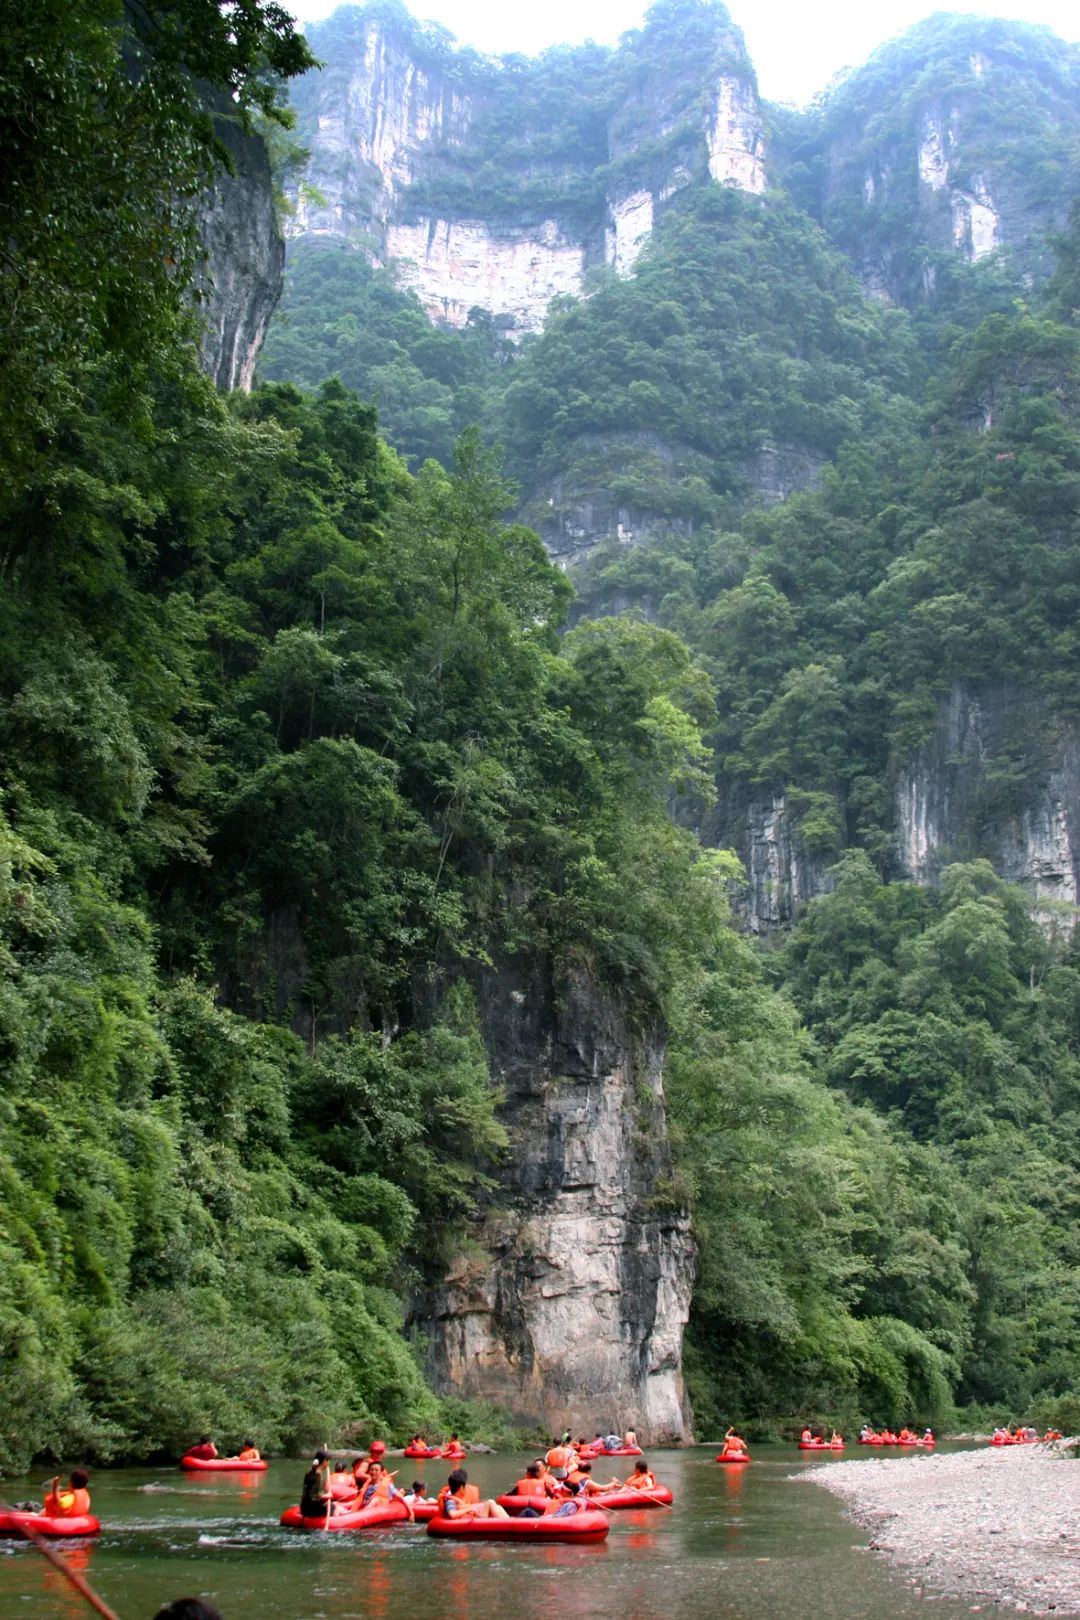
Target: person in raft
column 559, row 1459
column 206, row 1450
column 315, row 1498
column 362, row 1465
column 535, row 1482
column 733, row 1441
column 455, row 1506
column 806, row 1436
column 629, row 1439
column 641, row 1478
column 581, row 1482
column 72, row 1503
column 249, row 1452
column 417, row 1493
column 380, row 1487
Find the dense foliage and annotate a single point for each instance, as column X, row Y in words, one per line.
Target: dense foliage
column 295, row 752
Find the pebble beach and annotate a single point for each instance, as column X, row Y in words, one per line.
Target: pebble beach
column 1000, row 1527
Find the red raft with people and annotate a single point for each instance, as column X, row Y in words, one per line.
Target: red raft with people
column 613, row 1501
column 222, row 1465
column 423, row 1451
column 369, row 1518
column 25, row 1524
column 588, row 1524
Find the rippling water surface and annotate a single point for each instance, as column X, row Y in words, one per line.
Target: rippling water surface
column 740, row 1542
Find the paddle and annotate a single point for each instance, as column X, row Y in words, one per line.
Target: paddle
column 642, row 1492
column 79, row 1582
column 329, row 1493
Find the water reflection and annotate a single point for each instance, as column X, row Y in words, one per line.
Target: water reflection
column 740, row 1543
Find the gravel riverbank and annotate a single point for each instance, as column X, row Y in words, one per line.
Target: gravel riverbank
column 996, row 1526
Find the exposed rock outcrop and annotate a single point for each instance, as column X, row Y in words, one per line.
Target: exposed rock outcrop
column 571, row 1307
column 930, row 146
column 392, row 103
column 245, row 264
column 999, row 778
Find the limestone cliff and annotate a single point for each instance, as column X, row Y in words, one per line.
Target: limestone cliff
column 998, row 778
column 570, row 1308
column 953, row 141
column 245, row 262
column 400, row 126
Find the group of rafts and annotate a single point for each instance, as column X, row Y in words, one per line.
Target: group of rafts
column 556, row 1499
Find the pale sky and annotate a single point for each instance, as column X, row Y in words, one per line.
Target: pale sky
column 796, row 47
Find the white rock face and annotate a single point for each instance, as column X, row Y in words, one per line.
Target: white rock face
column 976, row 222
column 736, row 139
column 933, row 155
column 630, row 228
column 940, row 814
column 453, row 266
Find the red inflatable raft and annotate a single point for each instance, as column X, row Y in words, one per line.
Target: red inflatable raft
column 819, row 1445
column 422, row 1451
column 222, row 1465
column 623, row 1451
column 586, row 1525
column 368, row 1518
column 424, row 1512
column 613, row 1501
column 16, row 1523
column 733, row 1456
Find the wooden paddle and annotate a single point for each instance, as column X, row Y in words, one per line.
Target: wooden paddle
column 79, row 1582
column 649, row 1494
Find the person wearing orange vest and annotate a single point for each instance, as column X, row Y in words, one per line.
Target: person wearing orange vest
column 249, row 1452
column 642, row 1478
column 734, row 1444
column 580, row 1478
column 74, row 1503
column 380, row 1489
column 456, row 1505
column 806, row 1436
column 533, row 1482
column 470, row 1494
column 560, row 1458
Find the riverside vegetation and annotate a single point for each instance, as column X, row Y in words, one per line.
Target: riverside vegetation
column 266, row 687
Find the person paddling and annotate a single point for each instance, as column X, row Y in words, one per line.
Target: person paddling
column 641, row 1478
column 380, row 1488
column 72, row 1503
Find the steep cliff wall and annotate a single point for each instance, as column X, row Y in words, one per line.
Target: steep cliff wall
column 570, row 1309
column 955, row 140
column 1000, row 778
column 384, row 120
column 245, row 264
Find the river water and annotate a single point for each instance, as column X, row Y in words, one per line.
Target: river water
column 746, row 1543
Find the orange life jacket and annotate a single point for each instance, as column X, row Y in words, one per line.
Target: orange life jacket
column 559, row 1457
column 470, row 1494
column 642, row 1482
column 67, row 1504
column 250, row 1454
column 380, row 1490
column 529, row 1487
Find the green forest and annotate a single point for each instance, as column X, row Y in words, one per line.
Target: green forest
column 302, row 734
